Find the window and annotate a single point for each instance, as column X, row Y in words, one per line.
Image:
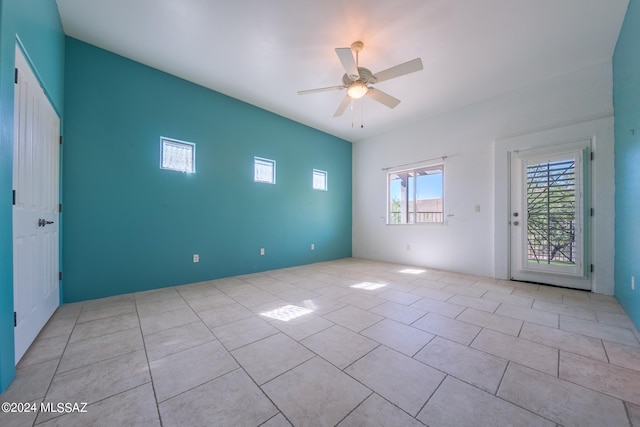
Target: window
column 177, row 155
column 319, row 180
column 416, row 196
column 264, row 170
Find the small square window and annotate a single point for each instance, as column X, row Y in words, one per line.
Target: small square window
column 177, row 155
column 319, row 180
column 264, row 170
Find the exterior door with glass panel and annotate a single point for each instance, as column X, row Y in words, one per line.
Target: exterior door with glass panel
column 549, row 221
column 36, row 146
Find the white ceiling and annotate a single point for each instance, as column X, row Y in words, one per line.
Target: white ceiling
column 263, row 52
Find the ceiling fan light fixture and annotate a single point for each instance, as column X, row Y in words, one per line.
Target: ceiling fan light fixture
column 357, row 90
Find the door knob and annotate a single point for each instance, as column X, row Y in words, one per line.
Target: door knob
column 516, row 223
column 43, row 222
column 515, row 214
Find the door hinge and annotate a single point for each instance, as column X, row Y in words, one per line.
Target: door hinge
column 60, row 207
column 15, row 79
column 60, row 139
column 591, row 212
column 592, row 155
column 15, row 319
column 591, row 268
column 14, row 197
column 59, row 275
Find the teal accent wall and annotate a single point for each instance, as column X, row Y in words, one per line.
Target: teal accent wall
column 131, row 226
column 626, row 103
column 37, row 25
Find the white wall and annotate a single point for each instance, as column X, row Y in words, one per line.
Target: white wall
column 467, row 136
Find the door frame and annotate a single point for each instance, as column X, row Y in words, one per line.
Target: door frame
column 581, row 277
column 600, row 131
column 25, row 60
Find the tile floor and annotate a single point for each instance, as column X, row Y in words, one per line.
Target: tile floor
column 348, row 342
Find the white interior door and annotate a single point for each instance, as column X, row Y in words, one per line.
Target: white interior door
column 35, row 208
column 549, row 221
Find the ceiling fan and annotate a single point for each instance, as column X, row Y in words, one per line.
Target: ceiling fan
column 359, row 80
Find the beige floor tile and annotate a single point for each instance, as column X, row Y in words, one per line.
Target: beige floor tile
column 315, row 393
column 529, row 315
column 634, row 414
column 100, row 327
column 96, row 382
column 475, row 367
column 400, row 297
column 432, row 283
column 439, row 307
column 57, row 327
column 150, row 308
column 231, row 400
column 67, row 311
column 563, row 340
column 398, row 336
column 210, row 301
column 539, row 294
column 224, row 314
column 474, row 302
column 95, row 310
column 167, row 320
column 277, row 421
column 436, row 294
column 403, row 381
column 504, row 324
column 457, row 404
column 334, row 292
column 443, row 326
column 598, row 330
column 257, row 297
column 242, row 332
column 303, row 326
column 297, row 294
column 510, row 299
column 31, row 382
column 154, row 295
column 169, row 341
column 398, row 312
column 524, row 352
column 613, row 380
column 365, row 302
column 614, row 319
column 375, row 411
column 44, row 349
column 622, row 355
column 339, row 345
column 464, row 289
column 493, row 287
column 92, row 350
column 561, row 401
column 135, row 407
column 265, row 359
column 353, row 318
column 321, row 305
column 190, row 368
column 565, row 309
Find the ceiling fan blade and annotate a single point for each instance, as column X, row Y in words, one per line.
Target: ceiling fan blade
column 343, row 106
column 383, row 97
column 322, row 89
column 399, row 70
column 346, row 57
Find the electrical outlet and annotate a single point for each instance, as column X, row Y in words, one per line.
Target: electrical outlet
column 196, row 258
column 477, row 208
column 313, row 246
column 261, row 251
